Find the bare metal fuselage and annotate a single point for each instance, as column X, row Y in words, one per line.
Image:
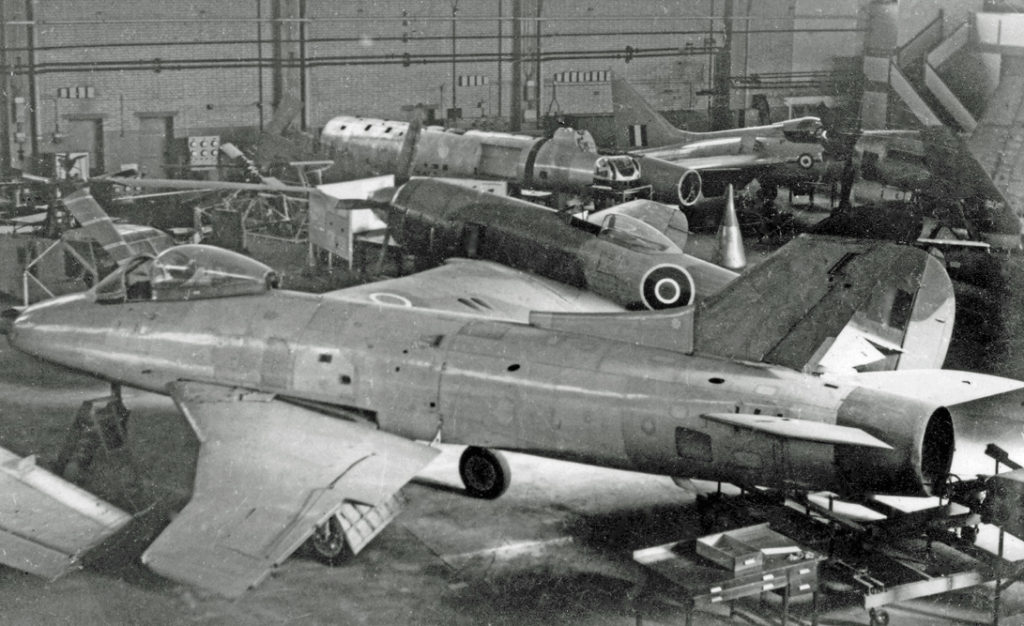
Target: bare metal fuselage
column 558, row 394
column 568, row 161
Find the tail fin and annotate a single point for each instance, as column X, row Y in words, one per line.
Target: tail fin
column 637, row 124
column 821, row 304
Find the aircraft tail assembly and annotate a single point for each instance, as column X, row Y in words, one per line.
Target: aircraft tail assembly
column 637, row 124
column 831, row 305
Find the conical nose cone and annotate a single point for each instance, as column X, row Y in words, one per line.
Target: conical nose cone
column 730, row 252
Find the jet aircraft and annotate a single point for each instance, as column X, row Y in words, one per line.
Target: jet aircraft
column 868, row 165
column 785, row 151
column 631, row 254
column 310, row 409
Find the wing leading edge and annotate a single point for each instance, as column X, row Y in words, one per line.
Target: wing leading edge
column 46, row 523
column 268, row 473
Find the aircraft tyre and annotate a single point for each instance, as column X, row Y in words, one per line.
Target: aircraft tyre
column 328, row 542
column 878, row 617
column 484, row 473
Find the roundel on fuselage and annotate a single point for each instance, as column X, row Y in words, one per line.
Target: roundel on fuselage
column 666, row 287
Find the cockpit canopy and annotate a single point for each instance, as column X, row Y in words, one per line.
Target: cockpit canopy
column 188, row 272
column 630, row 232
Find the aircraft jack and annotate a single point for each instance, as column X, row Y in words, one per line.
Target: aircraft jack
column 100, row 427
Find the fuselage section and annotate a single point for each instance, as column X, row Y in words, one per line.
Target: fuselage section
column 422, row 373
column 567, row 161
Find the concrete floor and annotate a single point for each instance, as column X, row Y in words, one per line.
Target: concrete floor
column 554, row 550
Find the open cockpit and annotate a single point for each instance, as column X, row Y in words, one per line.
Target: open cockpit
column 188, row 272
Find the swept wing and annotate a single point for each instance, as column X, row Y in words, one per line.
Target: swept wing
column 46, row 523
column 480, row 289
column 268, row 473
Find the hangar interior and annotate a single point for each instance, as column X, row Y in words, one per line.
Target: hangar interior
column 95, row 87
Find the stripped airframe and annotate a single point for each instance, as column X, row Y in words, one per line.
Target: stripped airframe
column 310, row 409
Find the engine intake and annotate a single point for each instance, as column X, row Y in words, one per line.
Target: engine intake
column 689, row 188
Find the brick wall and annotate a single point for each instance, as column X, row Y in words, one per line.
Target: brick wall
column 373, row 57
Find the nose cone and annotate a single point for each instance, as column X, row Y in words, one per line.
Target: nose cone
column 7, row 317
column 48, row 329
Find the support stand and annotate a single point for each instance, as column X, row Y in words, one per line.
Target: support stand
column 100, row 426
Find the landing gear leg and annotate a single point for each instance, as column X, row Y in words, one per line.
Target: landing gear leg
column 878, row 617
column 328, row 542
column 484, row 473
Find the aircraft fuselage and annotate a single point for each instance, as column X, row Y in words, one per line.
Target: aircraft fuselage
column 623, row 260
column 421, row 373
column 568, row 161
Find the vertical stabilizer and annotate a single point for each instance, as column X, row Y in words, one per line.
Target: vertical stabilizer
column 637, row 124
column 729, row 253
column 822, row 304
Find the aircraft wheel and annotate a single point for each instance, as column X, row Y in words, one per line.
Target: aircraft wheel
column 878, row 617
column 484, row 473
column 328, row 542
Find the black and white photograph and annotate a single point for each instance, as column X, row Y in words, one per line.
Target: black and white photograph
column 505, row 312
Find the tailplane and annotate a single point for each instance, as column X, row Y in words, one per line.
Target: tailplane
column 833, row 305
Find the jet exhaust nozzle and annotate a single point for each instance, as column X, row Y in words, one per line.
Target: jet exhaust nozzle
column 921, row 435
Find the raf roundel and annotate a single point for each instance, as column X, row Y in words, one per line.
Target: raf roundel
column 666, row 287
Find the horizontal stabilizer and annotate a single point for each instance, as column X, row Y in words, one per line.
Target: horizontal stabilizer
column 944, row 387
column 46, row 523
column 805, row 430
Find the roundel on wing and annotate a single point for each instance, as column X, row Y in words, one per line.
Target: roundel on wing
column 666, row 287
column 390, row 299
column 805, row 161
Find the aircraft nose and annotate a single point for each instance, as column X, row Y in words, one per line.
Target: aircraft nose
column 41, row 328
column 7, row 318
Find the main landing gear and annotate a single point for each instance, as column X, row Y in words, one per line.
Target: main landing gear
column 328, row 542
column 484, row 473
